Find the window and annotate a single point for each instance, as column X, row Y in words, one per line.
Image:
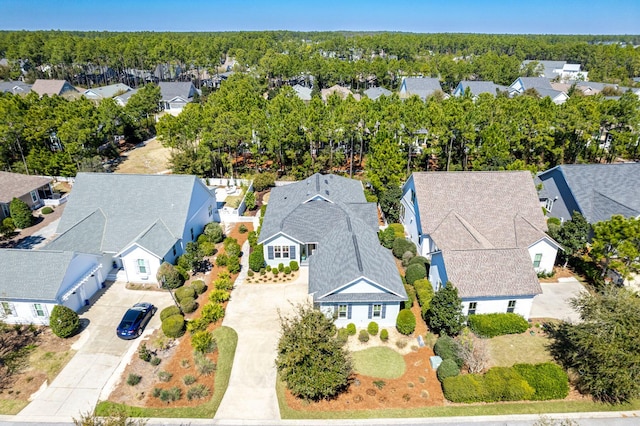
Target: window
column 142, row 266
column 548, row 204
column 377, row 311
column 277, row 251
column 8, row 309
column 34, row 196
column 285, row 252
column 210, row 210
column 511, row 306
column 472, row 308
column 174, row 250
column 39, row 310
column 537, row 259
column 5, row 210
column 342, row 311
column 191, row 234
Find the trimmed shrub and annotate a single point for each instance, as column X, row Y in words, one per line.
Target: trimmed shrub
column 343, row 335
column 219, row 296
column 401, row 246
column 262, row 181
column 464, row 388
column 384, row 335
column 372, row 328
column 231, row 247
column 214, row 232
column 424, row 293
column 169, row 311
column 221, row 260
column 497, row 324
column 203, row 341
column 411, row 294
column 207, row 248
column 406, row 322
column 212, row 312
column 351, row 329
column 199, row 286
column 173, row 326
column 386, row 237
column 406, row 257
column 548, row 380
column 185, row 293
column 133, row 379
column 294, row 265
column 398, row 229
column 280, row 267
column 447, row 348
column 275, row 272
column 20, row 213
column 188, row 305
column 7, row 226
column 223, row 282
column 233, row 265
column 505, row 384
column 169, row 276
column 250, row 273
column 253, row 239
column 448, row 368
column 47, row 210
column 64, row 322
column 363, row 336
column 287, row 270
column 420, row 260
column 415, row 272
column 256, row 258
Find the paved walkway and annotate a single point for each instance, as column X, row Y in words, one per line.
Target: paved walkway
column 554, row 300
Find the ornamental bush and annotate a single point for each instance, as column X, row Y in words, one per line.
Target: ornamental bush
column 447, row 348
column 497, row 324
column 212, row 312
column 214, row 233
column 464, row 388
column 233, row 265
column 20, row 213
column 219, row 296
column 223, row 282
column 420, row 260
column 384, row 335
column 363, row 337
column 386, row 237
column 548, row 380
column 498, row 384
column 294, row 265
column 351, row 329
column 173, row 326
column 185, row 293
column 415, row 272
column 262, row 181
column 406, row 258
column 406, row 322
column 169, row 311
column 424, row 293
column 221, row 260
column 447, row 368
column 342, row 335
column 411, row 295
column 256, row 258
column 64, row 322
column 398, row 229
column 372, row 328
column 47, row 210
column 188, row 305
column 401, row 246
column 199, row 286
column 169, row 276
column 203, row 341
column 287, row 270
column 207, row 248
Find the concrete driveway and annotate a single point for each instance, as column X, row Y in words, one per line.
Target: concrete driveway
column 554, row 300
column 100, row 352
column 253, row 313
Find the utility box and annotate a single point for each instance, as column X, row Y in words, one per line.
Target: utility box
column 435, row 362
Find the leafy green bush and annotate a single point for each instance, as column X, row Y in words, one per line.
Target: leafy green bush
column 170, row 395
column 406, row 322
column 262, row 181
column 243, row 229
column 155, row 361
column 447, row 368
column 207, row 248
column 199, row 286
column 287, row 270
column 401, row 246
column 188, row 379
column 497, row 324
column 233, row 265
column 250, row 200
column 465, row 388
column 445, row 313
column 398, row 229
column 144, row 353
column 415, row 272
column 203, row 341
column 363, row 336
column 198, row 391
column 231, row 247
column 185, row 293
column 173, row 326
column 222, row 259
column 406, row 258
column 197, row 324
column 424, row 292
column 20, row 213
column 219, row 296
column 253, row 239
column 386, row 237
column 214, row 232
column 212, row 312
column 351, row 329
column 447, row 348
column 548, row 379
column 372, row 328
column 294, row 265
column 164, row 376
column 7, row 226
column 169, row 311
column 169, row 276
column 505, row 384
column 280, row 267
column 384, row 335
column 204, row 365
column 47, row 210
column 188, row 305
column 342, row 335
column 133, row 379
column 411, row 295
column 256, row 258
column 223, row 282
column 64, row 322
column 420, row 260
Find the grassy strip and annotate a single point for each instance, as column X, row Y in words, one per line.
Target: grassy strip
column 542, row 407
column 227, row 339
column 379, row 362
column 12, row 406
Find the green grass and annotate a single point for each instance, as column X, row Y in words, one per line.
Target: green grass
column 518, row 348
column 227, row 339
column 11, row 407
column 50, row 363
column 543, row 407
column 379, row 362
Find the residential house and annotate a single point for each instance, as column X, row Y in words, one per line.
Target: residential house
column 34, row 281
column 560, row 69
column 541, row 85
column 98, row 93
column 546, row 69
column 478, row 87
column 175, row 95
column 30, row 189
column 341, row 91
column 304, row 93
column 123, row 98
column 597, row 191
column 134, row 222
column 325, row 223
column 374, row 93
column 484, row 232
column 15, row 87
column 420, row 86
column 53, row 87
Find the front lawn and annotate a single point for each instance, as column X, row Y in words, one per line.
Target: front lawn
column 379, row 362
column 511, row 349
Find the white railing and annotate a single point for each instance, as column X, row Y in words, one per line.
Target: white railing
column 56, row 201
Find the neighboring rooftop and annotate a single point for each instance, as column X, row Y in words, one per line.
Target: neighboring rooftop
column 374, row 93
column 172, row 89
column 548, row 67
column 478, row 87
column 52, row 87
column 15, row 87
column 421, row 86
column 15, row 185
column 107, row 91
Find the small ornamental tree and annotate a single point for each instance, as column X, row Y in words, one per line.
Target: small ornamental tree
column 214, row 233
column 406, row 322
column 250, row 200
column 256, row 258
column 20, row 213
column 445, row 313
column 168, row 276
column 311, row 360
column 63, row 321
column 262, row 181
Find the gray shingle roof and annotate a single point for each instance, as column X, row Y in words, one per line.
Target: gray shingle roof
column 108, row 91
column 536, row 83
column 491, row 273
column 423, row 87
column 15, row 87
column 32, row 274
column 548, row 67
column 602, row 190
column 478, row 87
column 120, row 209
column 171, row 89
column 157, row 238
column 374, row 93
column 302, row 92
column 16, row 185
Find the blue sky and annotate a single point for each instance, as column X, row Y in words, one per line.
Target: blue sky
column 427, row 16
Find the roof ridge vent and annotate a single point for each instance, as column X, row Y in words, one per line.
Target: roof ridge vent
column 317, row 183
column 358, row 258
column 349, row 224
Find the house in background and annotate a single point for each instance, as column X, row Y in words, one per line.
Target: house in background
column 325, row 223
column 423, row 87
column 134, row 222
column 104, row 92
column 560, row 69
column 304, row 93
column 30, row 189
column 34, row 281
column 123, row 98
column 15, row 87
column 175, row 95
column 484, row 232
column 54, row 87
column 374, row 93
column 541, row 85
column 597, row 191
column 478, row 87
column 341, row 91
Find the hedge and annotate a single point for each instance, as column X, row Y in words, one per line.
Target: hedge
column 424, row 293
column 498, row 384
column 406, row 322
column 447, row 368
column 447, row 348
column 169, row 311
column 415, row 272
column 411, row 294
column 465, row 388
column 185, row 293
column 548, row 380
column 199, row 286
column 419, row 260
column 401, row 246
column 497, row 324
column 188, row 305
column 173, row 326
column 398, row 229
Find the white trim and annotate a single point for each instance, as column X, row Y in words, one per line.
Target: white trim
column 80, row 282
column 363, row 278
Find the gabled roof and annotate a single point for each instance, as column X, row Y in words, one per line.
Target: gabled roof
column 170, row 90
column 16, row 185
column 374, row 93
column 343, row 92
column 51, row 87
column 535, row 83
column 124, row 98
column 491, row 273
column 32, row 274
column 421, row 86
column 602, row 190
column 107, row 91
column 302, row 92
column 478, row 87
column 464, row 210
column 111, row 211
column 15, row 87
column 548, row 67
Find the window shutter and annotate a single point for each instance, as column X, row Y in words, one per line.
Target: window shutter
column 34, row 313
column 270, row 252
column 348, row 311
column 370, row 311
column 384, row 311
column 292, row 252
column 335, row 311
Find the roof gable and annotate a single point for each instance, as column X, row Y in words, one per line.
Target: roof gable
column 15, row 185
